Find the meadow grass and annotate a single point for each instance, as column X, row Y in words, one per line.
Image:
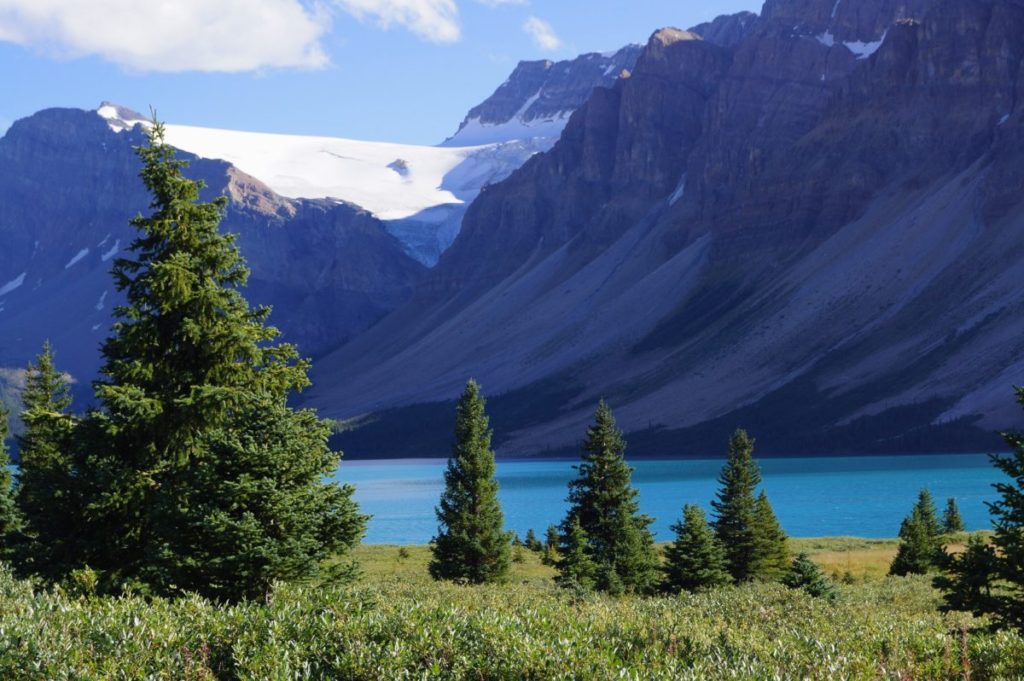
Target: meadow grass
column 396, row 623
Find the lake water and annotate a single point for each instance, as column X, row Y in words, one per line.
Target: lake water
column 813, row 497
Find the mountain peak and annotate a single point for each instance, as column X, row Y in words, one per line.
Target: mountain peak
column 120, row 117
column 669, row 35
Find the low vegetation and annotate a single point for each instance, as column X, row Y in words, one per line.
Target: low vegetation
column 396, row 622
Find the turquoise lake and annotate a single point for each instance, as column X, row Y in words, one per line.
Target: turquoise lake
column 813, row 497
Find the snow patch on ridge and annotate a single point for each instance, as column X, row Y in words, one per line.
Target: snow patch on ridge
column 13, row 284
column 112, row 252
column 78, row 256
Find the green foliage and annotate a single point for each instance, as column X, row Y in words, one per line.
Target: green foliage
column 604, row 503
column 734, row 506
column 952, row 521
column 47, row 493
column 532, row 542
column 968, row 578
column 920, row 548
column 10, row 518
column 196, row 474
column 770, row 558
column 696, row 559
column 551, row 540
column 576, row 568
column 805, row 574
column 435, row 630
column 471, row 544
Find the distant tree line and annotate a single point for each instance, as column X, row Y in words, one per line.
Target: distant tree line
column 604, row 543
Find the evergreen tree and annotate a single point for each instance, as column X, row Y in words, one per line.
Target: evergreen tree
column 696, row 559
column 532, row 542
column 46, row 491
column 603, row 502
column 10, row 519
column 928, row 514
column 196, row 473
column 920, row 548
column 735, row 506
column 770, row 559
column 952, row 521
column 576, row 569
column 805, row 574
column 968, row 578
column 471, row 543
column 551, row 541
column 1008, row 539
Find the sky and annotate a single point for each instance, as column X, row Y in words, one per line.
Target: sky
column 392, row 70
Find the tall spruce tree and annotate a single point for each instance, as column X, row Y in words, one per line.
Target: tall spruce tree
column 603, row 501
column 952, row 521
column 920, row 548
column 46, row 491
column 770, row 559
column 735, row 506
column 969, row 578
column 471, row 543
column 696, row 559
column 197, row 475
column 10, row 518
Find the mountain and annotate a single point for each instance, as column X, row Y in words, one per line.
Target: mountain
column 538, row 98
column 810, row 226
column 68, row 187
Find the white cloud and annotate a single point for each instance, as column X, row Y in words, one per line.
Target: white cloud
column 498, row 3
column 542, row 33
column 435, row 20
column 183, row 35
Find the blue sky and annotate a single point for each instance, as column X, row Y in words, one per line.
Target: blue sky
column 396, row 70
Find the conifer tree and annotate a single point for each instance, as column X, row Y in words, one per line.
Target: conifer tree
column 805, row 574
column 735, row 506
column 604, row 503
column 46, row 491
column 920, row 548
column 10, row 519
column 576, row 569
column 196, row 474
column 696, row 559
column 770, row 559
column 968, row 579
column 471, row 543
column 551, row 541
column 952, row 521
column 531, row 542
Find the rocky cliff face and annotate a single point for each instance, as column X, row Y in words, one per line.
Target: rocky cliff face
column 811, row 229
column 68, row 187
column 539, row 96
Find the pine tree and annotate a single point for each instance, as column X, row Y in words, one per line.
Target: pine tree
column 952, row 521
column 770, row 559
column 735, row 506
column 695, row 560
column 471, row 544
column 46, row 491
column 604, row 502
column 531, row 542
column 576, row 569
column 968, row 578
column 1008, row 539
column 196, row 474
column 920, row 548
column 551, row 541
column 805, row 574
column 10, row 518
column 928, row 514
